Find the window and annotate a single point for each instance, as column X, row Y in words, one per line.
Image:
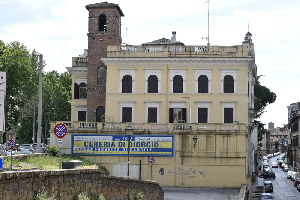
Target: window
column 82, row 116
column 152, row 84
column 152, row 115
column 202, row 115
column 228, row 115
column 202, row 84
column 177, row 84
column 127, row 84
column 126, row 114
column 228, row 112
column 80, row 91
column 177, row 115
column 228, row 84
column 101, row 76
column 102, row 23
column 228, row 80
column 177, row 80
column 100, row 114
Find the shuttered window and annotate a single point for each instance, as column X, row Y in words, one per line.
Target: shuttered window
column 152, row 115
column 202, row 84
column 82, row 116
column 127, row 84
column 126, row 114
column 202, row 115
column 152, row 84
column 177, row 84
column 228, row 115
column 228, row 84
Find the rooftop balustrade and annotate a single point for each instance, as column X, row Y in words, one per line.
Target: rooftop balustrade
column 177, row 51
column 162, row 128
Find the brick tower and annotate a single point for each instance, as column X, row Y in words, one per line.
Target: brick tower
column 104, row 29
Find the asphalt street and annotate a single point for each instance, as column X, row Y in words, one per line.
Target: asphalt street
column 175, row 193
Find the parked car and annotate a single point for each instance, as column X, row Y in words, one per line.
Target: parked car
column 296, row 182
column 283, row 165
column 2, row 151
column 25, row 149
column 286, row 169
column 298, row 187
column 264, row 196
column 43, row 147
column 268, row 186
column 274, row 165
column 294, row 176
column 268, row 174
column 289, row 174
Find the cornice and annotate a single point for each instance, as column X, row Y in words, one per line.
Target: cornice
column 177, row 61
column 77, row 70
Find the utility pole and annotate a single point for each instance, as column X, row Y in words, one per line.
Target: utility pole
column 39, row 131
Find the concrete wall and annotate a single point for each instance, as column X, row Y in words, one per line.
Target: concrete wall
column 64, row 184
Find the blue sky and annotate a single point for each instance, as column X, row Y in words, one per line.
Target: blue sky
column 58, row 30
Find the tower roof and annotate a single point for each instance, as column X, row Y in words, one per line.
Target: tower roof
column 104, row 4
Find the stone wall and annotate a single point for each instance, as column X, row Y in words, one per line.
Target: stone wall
column 65, row 184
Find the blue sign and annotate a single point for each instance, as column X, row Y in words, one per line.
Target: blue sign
column 117, row 145
column 282, row 140
column 11, row 144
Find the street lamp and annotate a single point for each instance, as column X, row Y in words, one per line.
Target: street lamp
column 195, row 138
column 128, row 132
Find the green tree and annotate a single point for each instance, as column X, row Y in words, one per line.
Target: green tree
column 56, row 99
column 22, row 90
column 21, row 67
column 262, row 97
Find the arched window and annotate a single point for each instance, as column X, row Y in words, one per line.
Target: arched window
column 152, row 84
column 228, row 84
column 100, row 114
column 202, row 84
column 101, row 76
column 177, row 84
column 127, row 84
column 82, row 91
column 102, row 23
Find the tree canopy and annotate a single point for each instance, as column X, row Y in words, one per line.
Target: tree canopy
column 22, row 92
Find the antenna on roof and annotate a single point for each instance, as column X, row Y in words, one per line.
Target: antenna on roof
column 208, row 44
column 248, row 26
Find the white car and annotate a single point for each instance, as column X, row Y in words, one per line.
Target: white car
column 26, row 149
column 289, row 174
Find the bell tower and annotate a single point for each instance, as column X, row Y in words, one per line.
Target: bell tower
column 104, row 29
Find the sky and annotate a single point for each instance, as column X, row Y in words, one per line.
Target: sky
column 58, row 30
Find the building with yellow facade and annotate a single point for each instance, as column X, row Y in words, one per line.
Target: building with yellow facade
column 186, row 111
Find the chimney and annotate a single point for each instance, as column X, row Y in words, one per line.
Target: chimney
column 173, row 38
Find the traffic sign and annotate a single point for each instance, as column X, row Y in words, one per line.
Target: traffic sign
column 150, row 159
column 60, row 130
column 11, row 144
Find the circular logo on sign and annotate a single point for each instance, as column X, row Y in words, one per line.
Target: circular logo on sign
column 60, row 130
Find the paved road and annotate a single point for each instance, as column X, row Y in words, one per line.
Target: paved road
column 175, row 193
column 283, row 188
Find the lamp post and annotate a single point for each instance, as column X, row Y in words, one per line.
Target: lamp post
column 195, row 138
column 128, row 132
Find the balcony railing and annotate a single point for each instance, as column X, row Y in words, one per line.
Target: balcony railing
column 156, row 127
column 176, row 51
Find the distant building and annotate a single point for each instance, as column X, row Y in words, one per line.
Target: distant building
column 293, row 119
column 186, row 111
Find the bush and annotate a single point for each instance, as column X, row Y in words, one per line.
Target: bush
column 52, row 150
